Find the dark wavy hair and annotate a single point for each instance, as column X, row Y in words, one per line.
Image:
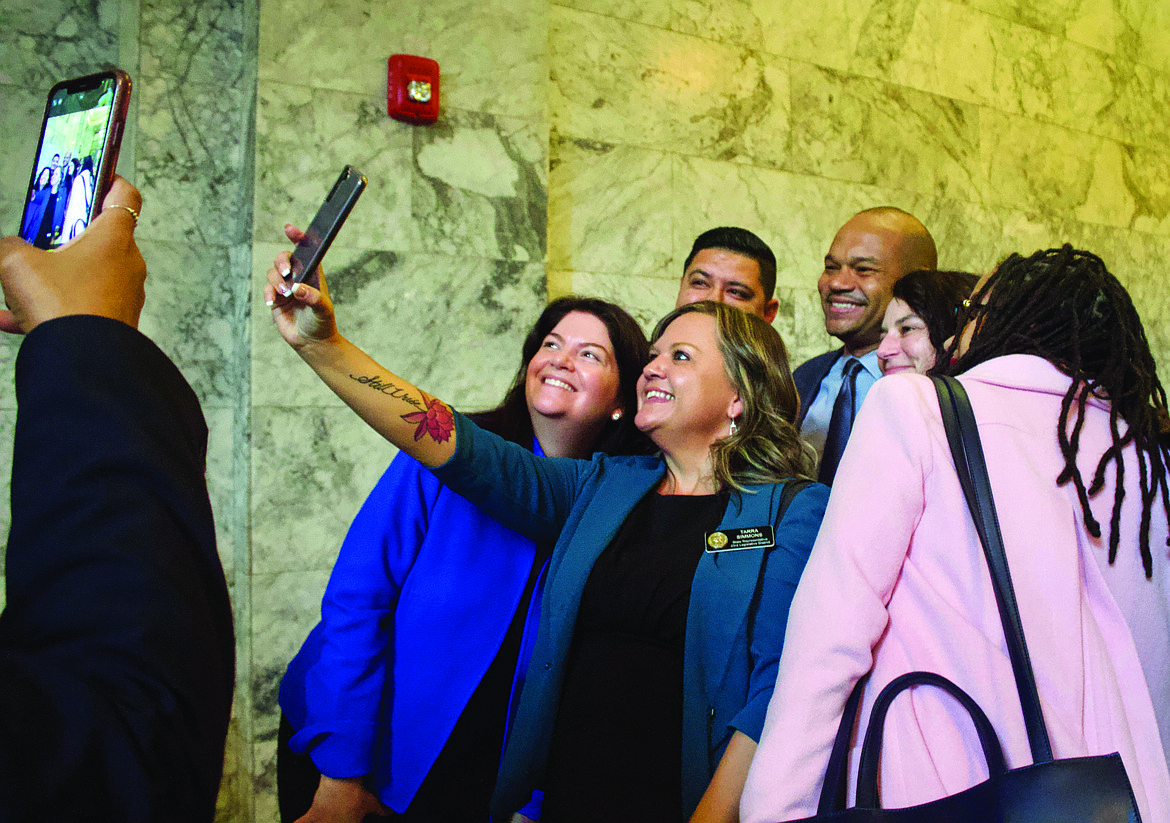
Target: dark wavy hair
column 631, row 352
column 766, row 447
column 936, row 296
column 1064, row 305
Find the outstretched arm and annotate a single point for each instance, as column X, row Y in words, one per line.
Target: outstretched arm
column 417, row 423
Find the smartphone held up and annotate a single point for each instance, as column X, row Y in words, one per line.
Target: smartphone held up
column 77, row 153
column 330, row 217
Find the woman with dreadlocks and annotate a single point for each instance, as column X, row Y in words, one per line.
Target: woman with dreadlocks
column 1073, row 422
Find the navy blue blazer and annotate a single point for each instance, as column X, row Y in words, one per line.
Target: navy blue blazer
column 808, row 377
column 581, row 504
column 116, row 646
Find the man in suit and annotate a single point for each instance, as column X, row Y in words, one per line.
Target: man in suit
column 116, row 646
column 870, row 252
column 731, row 265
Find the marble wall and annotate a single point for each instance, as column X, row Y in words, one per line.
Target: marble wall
column 582, row 145
column 1003, row 124
column 438, row 272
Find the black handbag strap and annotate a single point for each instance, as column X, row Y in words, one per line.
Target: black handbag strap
column 967, row 451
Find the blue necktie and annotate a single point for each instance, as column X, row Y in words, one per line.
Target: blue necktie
column 841, row 423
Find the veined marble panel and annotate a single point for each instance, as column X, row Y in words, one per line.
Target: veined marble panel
column 335, row 44
column 9, row 346
column 265, row 797
column 1142, row 107
column 344, row 45
column 451, row 325
column 479, row 187
column 221, row 488
column 728, row 21
column 828, row 33
column 194, row 312
column 196, row 42
column 865, row 131
column 626, row 83
column 1095, row 23
column 190, row 161
column 1038, row 167
column 44, row 42
column 610, row 209
column 962, row 53
column 1146, row 172
column 476, row 73
column 1153, row 47
column 311, row 470
column 304, row 137
column 650, row 12
column 7, row 431
column 287, row 606
column 647, row 299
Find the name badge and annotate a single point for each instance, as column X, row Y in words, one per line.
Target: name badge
column 734, row 540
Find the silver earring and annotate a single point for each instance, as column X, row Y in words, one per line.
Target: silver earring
column 733, row 428
column 616, row 416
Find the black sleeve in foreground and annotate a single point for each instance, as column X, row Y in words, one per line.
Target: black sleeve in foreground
column 116, row 646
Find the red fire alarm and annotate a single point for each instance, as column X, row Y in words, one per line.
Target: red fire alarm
column 412, row 89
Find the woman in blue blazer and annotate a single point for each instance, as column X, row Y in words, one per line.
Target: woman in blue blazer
column 371, row 714
column 668, row 589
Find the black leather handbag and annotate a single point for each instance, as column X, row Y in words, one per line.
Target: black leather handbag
column 1075, row 790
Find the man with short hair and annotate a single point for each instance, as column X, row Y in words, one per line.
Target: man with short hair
column 870, row 252
column 731, row 265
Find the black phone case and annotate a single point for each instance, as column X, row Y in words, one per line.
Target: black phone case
column 329, row 220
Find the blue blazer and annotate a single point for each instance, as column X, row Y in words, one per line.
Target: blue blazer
column 581, row 504
column 417, row 606
column 808, row 377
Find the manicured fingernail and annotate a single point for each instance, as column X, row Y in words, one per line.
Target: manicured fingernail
column 284, row 290
column 269, row 303
column 299, row 290
column 287, row 271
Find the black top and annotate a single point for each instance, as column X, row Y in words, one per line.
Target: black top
column 458, row 787
column 616, row 749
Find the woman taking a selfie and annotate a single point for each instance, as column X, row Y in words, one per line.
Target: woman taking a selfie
column 668, row 588
column 400, row 695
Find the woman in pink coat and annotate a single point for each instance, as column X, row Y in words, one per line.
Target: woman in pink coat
column 897, row 580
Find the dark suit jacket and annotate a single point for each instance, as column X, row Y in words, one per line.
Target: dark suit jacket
column 116, row 647
column 808, row 377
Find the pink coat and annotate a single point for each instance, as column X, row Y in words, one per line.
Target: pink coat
column 897, row 581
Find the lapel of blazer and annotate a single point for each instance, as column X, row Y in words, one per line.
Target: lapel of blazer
column 721, row 594
column 818, row 370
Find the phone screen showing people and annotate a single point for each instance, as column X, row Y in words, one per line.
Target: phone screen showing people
column 60, row 197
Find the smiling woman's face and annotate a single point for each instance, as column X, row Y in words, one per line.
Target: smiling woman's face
column 574, row 373
column 905, row 342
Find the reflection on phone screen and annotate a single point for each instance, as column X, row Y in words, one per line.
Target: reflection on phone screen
column 61, row 197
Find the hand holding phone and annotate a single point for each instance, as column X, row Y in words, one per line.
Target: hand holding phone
column 77, row 152
column 329, row 220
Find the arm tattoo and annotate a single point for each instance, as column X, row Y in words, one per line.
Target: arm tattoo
column 437, row 421
column 376, row 383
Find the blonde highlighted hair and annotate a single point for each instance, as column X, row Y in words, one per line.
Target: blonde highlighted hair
column 766, row 447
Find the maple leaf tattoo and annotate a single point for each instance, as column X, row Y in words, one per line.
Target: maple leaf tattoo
column 436, row 420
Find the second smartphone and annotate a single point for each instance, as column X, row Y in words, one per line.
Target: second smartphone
column 330, row 217
column 81, row 134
